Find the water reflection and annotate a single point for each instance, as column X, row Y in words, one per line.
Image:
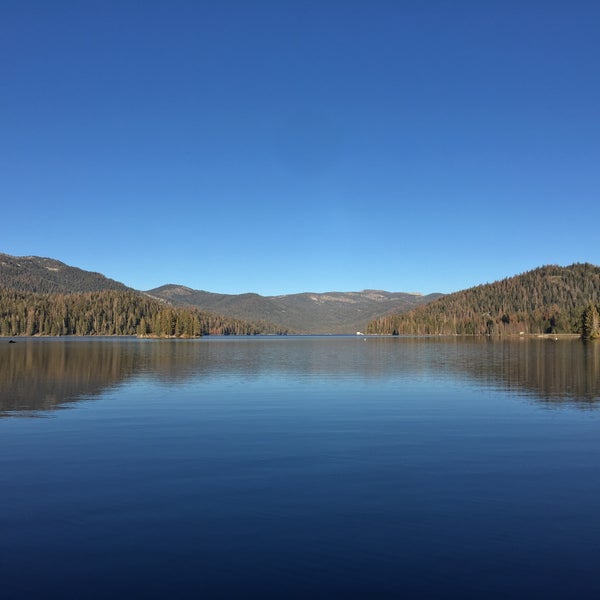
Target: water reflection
column 546, row 369
column 42, row 374
column 552, row 371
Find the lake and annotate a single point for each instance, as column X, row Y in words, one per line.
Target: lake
column 299, row 467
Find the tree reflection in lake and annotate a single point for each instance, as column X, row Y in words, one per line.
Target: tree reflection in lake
column 42, row 374
column 546, row 369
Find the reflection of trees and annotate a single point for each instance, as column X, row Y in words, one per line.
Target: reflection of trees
column 40, row 375
column 43, row 374
column 562, row 370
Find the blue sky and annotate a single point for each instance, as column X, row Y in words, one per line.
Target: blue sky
column 279, row 147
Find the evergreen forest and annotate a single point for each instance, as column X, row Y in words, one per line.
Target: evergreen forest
column 549, row 299
column 112, row 312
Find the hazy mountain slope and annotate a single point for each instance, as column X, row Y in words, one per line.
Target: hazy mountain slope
column 332, row 312
column 547, row 299
column 48, row 276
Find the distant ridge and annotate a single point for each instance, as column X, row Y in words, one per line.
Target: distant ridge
column 330, row 312
column 549, row 299
column 49, row 276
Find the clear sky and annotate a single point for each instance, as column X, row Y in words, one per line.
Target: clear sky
column 288, row 146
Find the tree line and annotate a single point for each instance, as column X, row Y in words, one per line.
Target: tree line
column 550, row 299
column 113, row 312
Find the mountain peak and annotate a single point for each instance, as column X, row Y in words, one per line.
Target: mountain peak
column 48, row 275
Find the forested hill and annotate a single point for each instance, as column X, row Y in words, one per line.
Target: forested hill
column 49, row 276
column 43, row 296
column 112, row 312
column 331, row 312
column 549, row 299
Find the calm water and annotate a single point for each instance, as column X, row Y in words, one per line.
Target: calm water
column 299, row 467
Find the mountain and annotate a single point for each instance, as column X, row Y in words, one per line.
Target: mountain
column 550, row 299
column 48, row 276
column 43, row 296
column 331, row 312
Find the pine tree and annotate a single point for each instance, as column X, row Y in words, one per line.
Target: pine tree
column 590, row 323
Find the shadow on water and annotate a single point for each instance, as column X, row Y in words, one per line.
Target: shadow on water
column 44, row 374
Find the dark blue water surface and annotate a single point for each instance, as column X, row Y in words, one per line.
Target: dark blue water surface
column 311, row 467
